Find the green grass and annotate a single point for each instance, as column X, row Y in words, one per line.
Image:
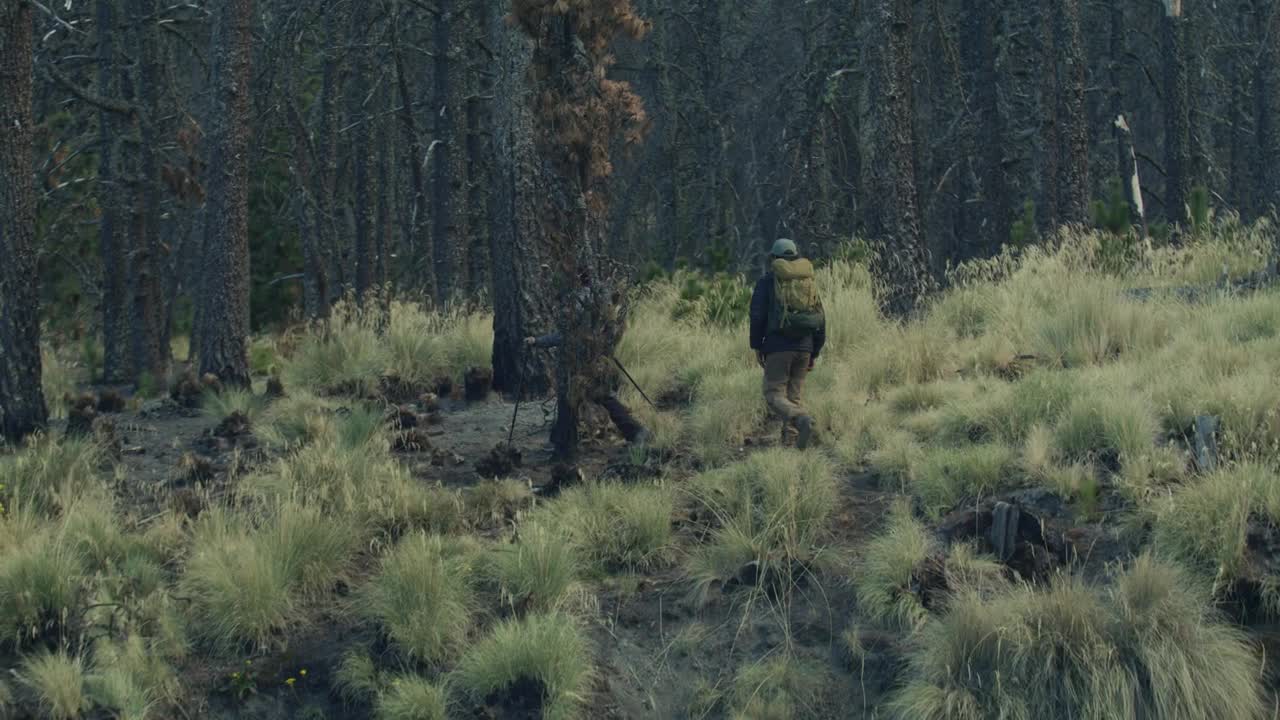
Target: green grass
column 1147, row 646
column 946, row 476
column 773, row 509
column 778, row 688
column 50, row 474
column 538, row 571
column 422, row 597
column 356, row 678
column 410, row 697
column 58, row 682
column 548, row 651
column 132, row 680
column 42, row 581
column 616, row 527
column 416, row 348
column 249, row 583
column 217, row 406
column 886, row 569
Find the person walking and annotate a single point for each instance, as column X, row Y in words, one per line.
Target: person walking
column 788, row 332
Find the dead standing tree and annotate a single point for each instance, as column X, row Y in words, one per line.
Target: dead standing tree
column 578, row 112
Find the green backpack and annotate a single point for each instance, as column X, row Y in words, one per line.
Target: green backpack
column 797, row 308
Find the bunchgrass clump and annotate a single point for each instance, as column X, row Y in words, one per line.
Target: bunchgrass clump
column 773, row 509
column 58, row 682
column 1106, row 426
column 132, row 679
column 887, row 568
column 946, row 476
column 1205, row 523
column 423, row 597
column 1147, row 646
column 778, row 688
column 247, row 583
column 357, row 679
column 615, row 527
column 219, row 405
column 411, row 697
column 538, row 571
column 546, row 654
column 50, row 473
column 42, row 582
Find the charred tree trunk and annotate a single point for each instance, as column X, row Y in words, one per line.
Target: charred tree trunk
column 1072, row 116
column 905, row 262
column 442, row 176
column 307, row 208
column 115, row 367
column 1177, row 114
column 479, row 152
column 1019, row 73
column 416, row 232
column 982, row 198
column 362, row 121
column 1267, row 99
column 522, row 300
column 324, row 188
column 382, row 220
column 149, row 327
column 22, row 406
column 222, row 339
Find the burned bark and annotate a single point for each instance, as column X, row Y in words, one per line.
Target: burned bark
column 1177, row 117
column 22, row 404
column 223, row 333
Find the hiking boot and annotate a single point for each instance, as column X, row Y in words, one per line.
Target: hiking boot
column 805, row 425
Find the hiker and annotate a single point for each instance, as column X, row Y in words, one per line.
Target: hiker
column 788, row 330
column 599, row 318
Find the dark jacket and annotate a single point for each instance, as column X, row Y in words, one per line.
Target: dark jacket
column 762, row 340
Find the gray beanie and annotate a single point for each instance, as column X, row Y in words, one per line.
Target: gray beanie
column 785, row 248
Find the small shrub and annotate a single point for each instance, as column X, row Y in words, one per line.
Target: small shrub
column 543, row 651
column 217, row 406
column 410, row 697
column 422, row 597
column 58, row 682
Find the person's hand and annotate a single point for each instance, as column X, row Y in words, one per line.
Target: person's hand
column 812, row 361
column 530, row 341
column 760, row 358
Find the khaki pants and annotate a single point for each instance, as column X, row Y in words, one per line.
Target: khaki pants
column 784, row 375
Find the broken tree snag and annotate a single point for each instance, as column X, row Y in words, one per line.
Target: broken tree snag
column 1133, row 188
column 1205, row 443
column 478, row 383
column 1029, row 532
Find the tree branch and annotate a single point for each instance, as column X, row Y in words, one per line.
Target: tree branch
column 116, row 106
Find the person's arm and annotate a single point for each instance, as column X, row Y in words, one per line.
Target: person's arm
column 759, row 314
column 819, row 340
column 555, row 339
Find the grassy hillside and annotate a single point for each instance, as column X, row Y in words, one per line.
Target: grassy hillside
column 318, row 565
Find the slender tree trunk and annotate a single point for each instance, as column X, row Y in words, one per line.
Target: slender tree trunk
column 522, row 300
column 150, row 345
column 1267, row 93
column 114, row 308
column 1019, row 85
column 382, row 220
column 22, row 406
column 442, row 175
column 905, row 262
column 1177, row 140
column 362, row 150
column 479, row 154
column 315, row 293
column 224, row 329
column 1072, row 115
column 324, row 189
column 982, row 201
column 417, row 233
